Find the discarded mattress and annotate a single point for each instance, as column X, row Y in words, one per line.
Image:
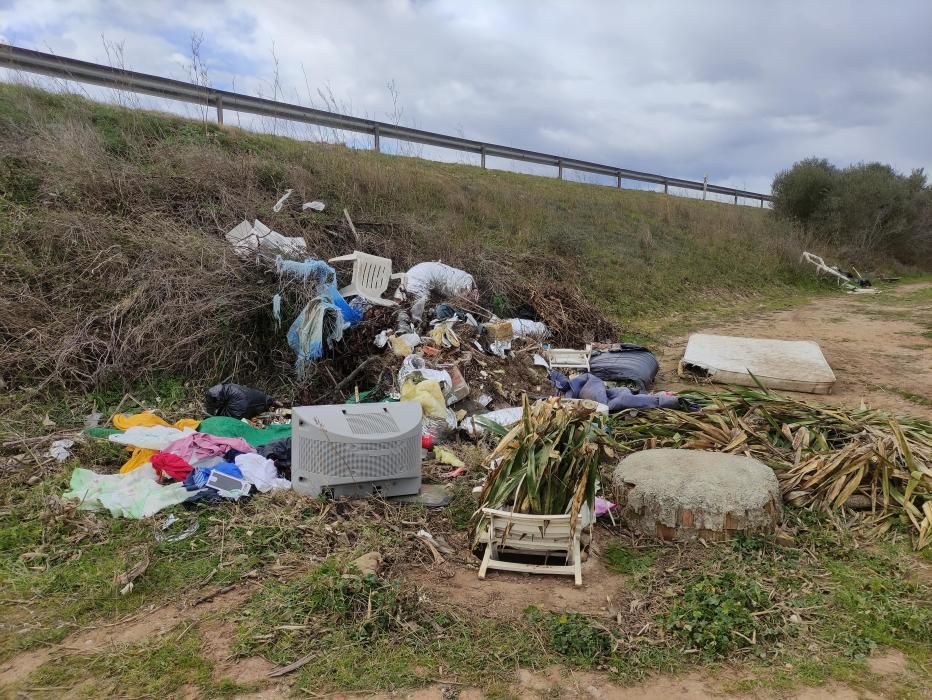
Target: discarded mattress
column 792, row 365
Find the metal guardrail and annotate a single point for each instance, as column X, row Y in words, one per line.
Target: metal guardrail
column 131, row 81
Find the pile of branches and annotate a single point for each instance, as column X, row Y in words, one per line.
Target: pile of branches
column 547, row 463
column 825, row 457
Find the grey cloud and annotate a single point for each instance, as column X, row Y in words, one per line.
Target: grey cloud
column 734, row 89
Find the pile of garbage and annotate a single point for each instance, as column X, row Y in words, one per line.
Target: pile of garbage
column 223, row 457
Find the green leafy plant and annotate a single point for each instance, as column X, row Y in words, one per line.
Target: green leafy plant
column 716, row 614
column 572, row 635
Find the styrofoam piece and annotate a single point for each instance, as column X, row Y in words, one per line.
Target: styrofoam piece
column 569, row 358
column 792, row 365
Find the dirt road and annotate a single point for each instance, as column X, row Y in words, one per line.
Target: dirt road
column 879, row 346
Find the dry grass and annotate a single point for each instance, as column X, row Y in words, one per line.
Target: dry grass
column 115, row 268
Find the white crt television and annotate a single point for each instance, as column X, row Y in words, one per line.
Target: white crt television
column 356, row 450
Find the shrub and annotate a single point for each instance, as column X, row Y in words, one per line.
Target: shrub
column 866, row 207
column 800, row 192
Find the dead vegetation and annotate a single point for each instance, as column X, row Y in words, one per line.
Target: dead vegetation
column 115, row 268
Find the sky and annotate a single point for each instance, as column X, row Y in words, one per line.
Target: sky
column 733, row 90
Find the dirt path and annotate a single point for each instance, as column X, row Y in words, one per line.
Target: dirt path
column 880, row 347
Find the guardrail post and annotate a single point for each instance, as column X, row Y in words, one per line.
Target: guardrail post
column 705, row 186
column 736, row 197
column 559, row 169
column 762, row 204
column 666, row 186
column 619, row 179
column 220, row 110
column 376, row 145
column 482, row 156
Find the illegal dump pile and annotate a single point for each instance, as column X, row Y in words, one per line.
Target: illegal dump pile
column 826, row 458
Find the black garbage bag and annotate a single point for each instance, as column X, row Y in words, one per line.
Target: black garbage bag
column 629, row 363
column 236, row 401
column 279, row 452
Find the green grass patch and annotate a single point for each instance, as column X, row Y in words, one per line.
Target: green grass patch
column 627, row 560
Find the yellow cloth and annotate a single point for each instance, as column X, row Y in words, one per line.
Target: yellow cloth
column 428, row 394
column 140, row 456
column 146, row 419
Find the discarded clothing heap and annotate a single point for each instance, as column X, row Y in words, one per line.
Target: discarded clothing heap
column 172, row 465
column 588, row 386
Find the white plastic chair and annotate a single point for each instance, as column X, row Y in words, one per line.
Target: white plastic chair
column 371, row 275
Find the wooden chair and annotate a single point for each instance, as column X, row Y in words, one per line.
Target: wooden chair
column 539, row 535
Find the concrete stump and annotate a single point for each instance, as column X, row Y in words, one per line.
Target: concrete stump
column 683, row 495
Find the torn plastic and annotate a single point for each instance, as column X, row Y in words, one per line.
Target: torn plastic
column 526, row 328
column 135, row 494
column 427, row 277
column 281, row 202
column 248, row 239
column 415, row 364
column 61, row 450
column 505, row 417
column 314, row 206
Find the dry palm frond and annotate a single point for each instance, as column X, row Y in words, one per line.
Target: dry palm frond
column 823, row 455
column 548, row 463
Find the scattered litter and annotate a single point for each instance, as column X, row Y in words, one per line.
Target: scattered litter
column 249, row 239
column 164, row 538
column 436, row 546
column 61, row 449
column 603, row 506
column 794, row 365
column 381, row 340
column 459, row 389
column 236, row 401
column 369, row 564
column 628, row 363
column 446, row 457
column 92, row 420
column 403, row 345
column 315, row 206
column 853, row 283
column 566, row 358
column 428, row 394
column 446, row 281
column 170, row 465
column 414, row 365
column 475, row 426
column 526, row 328
column 227, row 486
column 281, row 202
column 429, row 496
column 539, row 361
column 484, row 400
column 459, row 471
column 443, row 335
column 126, row 580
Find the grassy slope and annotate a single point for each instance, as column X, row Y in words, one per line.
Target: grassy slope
column 157, row 187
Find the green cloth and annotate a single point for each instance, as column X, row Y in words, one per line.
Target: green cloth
column 102, row 433
column 135, row 494
column 223, row 426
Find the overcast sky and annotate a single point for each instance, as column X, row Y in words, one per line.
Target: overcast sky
column 735, row 90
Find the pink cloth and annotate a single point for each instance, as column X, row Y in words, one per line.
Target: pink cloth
column 197, row 446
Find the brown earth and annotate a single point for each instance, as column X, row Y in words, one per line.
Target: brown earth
column 876, row 345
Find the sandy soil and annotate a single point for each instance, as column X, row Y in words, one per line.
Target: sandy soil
column 874, row 346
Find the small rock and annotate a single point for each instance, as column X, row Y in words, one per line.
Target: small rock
column 369, row 563
column 796, row 619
